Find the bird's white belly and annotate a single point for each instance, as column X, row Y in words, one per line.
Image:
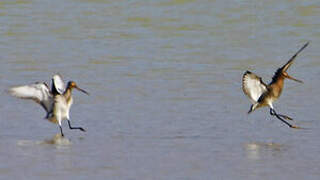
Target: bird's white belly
column 270, row 101
column 61, row 109
column 64, row 113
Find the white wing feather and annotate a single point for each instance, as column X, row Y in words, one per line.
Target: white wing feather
column 253, row 86
column 58, row 83
column 39, row 92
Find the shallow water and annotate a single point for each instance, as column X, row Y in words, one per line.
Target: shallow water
column 165, row 89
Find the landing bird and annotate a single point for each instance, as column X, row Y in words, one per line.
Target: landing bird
column 262, row 95
column 56, row 102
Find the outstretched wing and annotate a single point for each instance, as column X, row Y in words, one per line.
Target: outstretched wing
column 253, row 86
column 39, row 92
column 58, row 86
column 288, row 64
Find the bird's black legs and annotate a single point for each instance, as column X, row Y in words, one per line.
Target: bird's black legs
column 80, row 128
column 272, row 112
column 61, row 131
column 279, row 116
column 285, row 116
column 70, row 128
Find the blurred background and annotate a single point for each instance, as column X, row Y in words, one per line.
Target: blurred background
column 164, row 78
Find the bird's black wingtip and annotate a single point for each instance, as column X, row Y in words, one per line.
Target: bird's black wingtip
column 246, row 73
column 306, row 44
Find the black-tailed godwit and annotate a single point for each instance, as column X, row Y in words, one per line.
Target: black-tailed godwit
column 56, row 102
column 261, row 94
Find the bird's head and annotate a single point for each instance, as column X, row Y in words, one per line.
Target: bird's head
column 284, row 68
column 286, row 75
column 72, row 84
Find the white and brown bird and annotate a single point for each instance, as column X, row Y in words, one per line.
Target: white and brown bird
column 56, row 102
column 261, row 94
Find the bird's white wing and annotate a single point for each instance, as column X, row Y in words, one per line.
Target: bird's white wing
column 58, row 84
column 253, row 86
column 39, row 92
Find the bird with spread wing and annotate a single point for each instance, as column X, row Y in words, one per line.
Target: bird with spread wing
column 261, row 94
column 56, row 102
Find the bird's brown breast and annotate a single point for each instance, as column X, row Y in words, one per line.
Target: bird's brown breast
column 275, row 89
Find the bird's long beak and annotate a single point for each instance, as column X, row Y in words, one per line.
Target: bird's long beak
column 82, row 90
column 289, row 77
